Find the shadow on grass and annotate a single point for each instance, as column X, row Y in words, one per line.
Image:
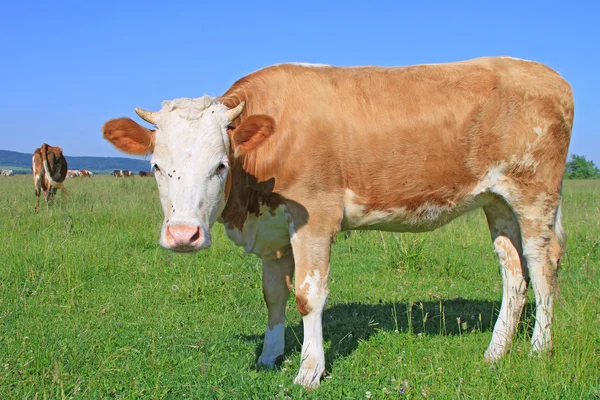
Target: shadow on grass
column 361, row 321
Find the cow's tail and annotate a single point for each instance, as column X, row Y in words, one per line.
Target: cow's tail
column 559, row 230
column 51, row 181
column 558, row 248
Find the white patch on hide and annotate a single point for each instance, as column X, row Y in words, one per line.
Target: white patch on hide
column 263, row 235
column 398, row 219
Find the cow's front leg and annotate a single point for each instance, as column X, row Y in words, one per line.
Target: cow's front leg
column 277, row 283
column 311, row 252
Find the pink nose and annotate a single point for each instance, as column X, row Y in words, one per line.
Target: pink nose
column 183, row 235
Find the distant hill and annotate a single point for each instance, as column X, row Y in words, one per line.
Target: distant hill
column 21, row 163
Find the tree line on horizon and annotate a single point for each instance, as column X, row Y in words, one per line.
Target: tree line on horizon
column 578, row 167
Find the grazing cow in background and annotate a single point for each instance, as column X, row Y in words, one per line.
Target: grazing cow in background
column 120, row 173
column 85, row 173
column 146, row 173
column 6, row 172
column 72, row 173
column 292, row 154
column 49, row 167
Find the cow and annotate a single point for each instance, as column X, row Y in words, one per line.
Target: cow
column 85, row 173
column 72, row 173
column 292, row 154
column 146, row 173
column 6, row 172
column 120, row 173
column 49, row 167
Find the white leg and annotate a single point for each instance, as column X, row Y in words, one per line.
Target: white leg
column 312, row 363
column 273, row 345
column 543, row 279
column 507, row 244
column 312, row 272
column 277, row 281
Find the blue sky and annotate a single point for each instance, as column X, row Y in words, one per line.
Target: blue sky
column 67, row 67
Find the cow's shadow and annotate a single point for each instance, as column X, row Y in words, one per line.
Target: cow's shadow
column 345, row 325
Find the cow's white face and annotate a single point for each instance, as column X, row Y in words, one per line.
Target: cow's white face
column 191, row 148
column 191, row 161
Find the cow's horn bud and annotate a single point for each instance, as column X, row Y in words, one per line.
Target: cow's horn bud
column 235, row 112
column 148, row 116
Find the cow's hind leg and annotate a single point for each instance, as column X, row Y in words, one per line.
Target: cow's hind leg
column 37, row 181
column 277, row 283
column 543, row 242
column 506, row 236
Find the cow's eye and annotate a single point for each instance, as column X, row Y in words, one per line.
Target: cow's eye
column 156, row 168
column 221, row 168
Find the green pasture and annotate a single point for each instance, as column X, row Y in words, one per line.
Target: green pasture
column 91, row 307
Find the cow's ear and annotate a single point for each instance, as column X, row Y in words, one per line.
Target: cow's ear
column 250, row 134
column 129, row 136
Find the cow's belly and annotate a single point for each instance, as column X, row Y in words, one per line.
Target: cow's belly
column 267, row 236
column 425, row 218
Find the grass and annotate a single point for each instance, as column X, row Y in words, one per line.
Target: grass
column 91, row 307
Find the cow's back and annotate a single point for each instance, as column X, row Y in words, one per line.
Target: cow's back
column 404, row 137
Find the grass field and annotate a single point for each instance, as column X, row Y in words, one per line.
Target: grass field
column 91, row 307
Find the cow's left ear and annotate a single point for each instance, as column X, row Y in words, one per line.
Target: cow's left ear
column 250, row 134
column 129, row 136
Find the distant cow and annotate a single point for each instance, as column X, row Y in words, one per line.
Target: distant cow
column 6, row 172
column 72, row 173
column 120, row 173
column 86, row 173
column 49, row 167
column 146, row 173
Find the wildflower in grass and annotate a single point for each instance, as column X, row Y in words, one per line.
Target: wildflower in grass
column 174, row 288
column 368, row 394
column 386, row 391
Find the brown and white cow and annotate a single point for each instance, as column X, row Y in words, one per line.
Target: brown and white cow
column 49, row 167
column 146, row 173
column 120, row 173
column 7, row 172
column 292, row 154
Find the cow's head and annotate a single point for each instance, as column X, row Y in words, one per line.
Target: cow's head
column 191, row 149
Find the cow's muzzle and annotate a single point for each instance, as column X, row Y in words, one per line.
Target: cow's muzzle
column 185, row 238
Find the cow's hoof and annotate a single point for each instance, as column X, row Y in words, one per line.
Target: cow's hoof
column 309, row 378
column 493, row 354
column 269, row 361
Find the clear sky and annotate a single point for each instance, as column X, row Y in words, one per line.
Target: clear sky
column 67, row 67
